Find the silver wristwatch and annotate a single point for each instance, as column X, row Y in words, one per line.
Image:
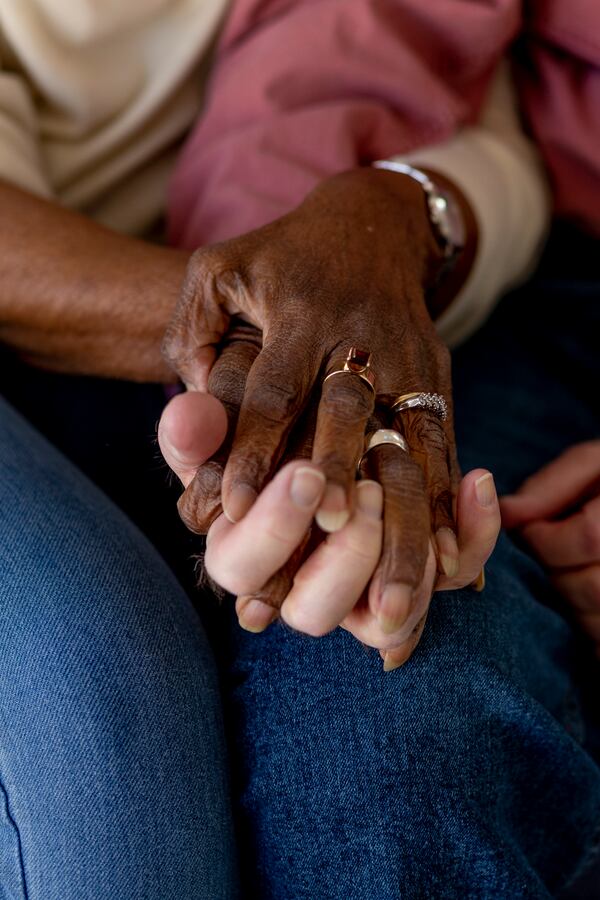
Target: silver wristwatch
column 444, row 211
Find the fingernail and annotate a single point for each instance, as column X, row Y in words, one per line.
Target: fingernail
column 485, row 490
column 333, row 512
column 256, row 616
column 394, row 607
column 448, row 551
column 390, row 664
column 479, row 583
column 306, row 487
column 239, row 500
column 369, row 498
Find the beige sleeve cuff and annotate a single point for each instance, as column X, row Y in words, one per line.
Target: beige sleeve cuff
column 501, row 175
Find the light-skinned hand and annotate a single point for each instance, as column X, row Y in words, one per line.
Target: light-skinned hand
column 334, row 585
column 557, row 512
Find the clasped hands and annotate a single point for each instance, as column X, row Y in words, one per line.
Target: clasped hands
column 267, row 451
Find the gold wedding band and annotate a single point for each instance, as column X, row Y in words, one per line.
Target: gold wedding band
column 383, row 436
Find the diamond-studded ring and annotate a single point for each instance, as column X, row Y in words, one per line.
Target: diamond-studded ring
column 433, row 403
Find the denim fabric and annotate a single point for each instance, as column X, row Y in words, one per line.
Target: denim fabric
column 113, row 775
column 460, row 775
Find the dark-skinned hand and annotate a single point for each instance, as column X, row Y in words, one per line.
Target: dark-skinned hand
column 349, row 267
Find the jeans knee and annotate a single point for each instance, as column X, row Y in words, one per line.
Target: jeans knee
column 91, row 619
column 109, row 699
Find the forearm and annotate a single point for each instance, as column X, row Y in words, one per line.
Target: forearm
column 76, row 297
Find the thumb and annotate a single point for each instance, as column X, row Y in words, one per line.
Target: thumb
column 191, row 429
column 555, row 488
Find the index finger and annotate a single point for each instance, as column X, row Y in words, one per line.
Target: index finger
column 201, row 316
column 241, row 557
column 277, row 390
column 200, row 504
column 556, row 486
column 568, row 543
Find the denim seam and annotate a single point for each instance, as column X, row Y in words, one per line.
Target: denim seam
column 19, row 843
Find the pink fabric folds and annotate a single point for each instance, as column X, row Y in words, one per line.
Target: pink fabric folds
column 302, row 89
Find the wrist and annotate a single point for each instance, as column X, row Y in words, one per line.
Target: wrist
column 440, row 295
column 423, row 241
column 449, row 252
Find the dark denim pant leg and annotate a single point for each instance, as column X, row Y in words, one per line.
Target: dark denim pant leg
column 466, row 773
column 113, row 776
column 461, row 775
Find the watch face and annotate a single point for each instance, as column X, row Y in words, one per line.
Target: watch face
column 447, row 219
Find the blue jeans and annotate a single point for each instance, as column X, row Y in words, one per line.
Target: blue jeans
column 471, row 771
column 113, row 775
column 468, row 773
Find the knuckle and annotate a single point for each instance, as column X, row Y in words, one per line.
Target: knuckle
column 347, row 399
column 226, row 577
column 359, row 548
column 274, row 401
column 188, row 513
column 204, row 262
column 200, row 503
column 297, row 618
column 402, row 478
column 280, row 534
column 425, row 429
column 227, row 383
column 197, row 274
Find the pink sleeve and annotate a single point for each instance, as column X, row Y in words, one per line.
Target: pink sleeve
column 301, row 89
column 559, row 85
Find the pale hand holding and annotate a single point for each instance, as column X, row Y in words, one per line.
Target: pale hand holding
column 557, row 512
column 331, row 586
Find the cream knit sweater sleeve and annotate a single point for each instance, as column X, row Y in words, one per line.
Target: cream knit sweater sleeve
column 20, row 157
column 501, row 174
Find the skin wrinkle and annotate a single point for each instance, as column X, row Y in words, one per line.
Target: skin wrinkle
column 426, row 438
column 274, row 592
column 345, row 406
column 200, row 503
